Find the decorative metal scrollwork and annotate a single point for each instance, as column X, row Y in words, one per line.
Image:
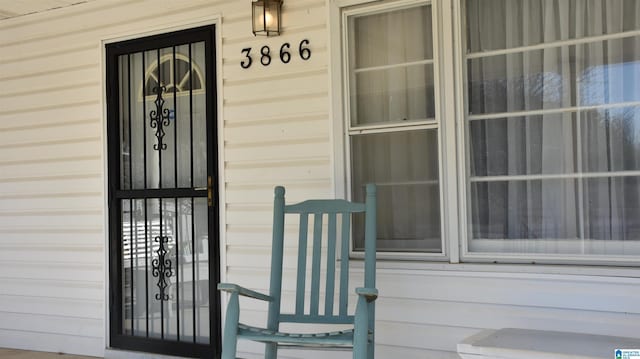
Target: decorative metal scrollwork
column 159, row 118
column 162, row 268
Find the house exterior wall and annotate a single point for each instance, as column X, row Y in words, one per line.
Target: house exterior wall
column 276, row 129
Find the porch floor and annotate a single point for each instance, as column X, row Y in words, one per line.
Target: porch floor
column 26, row 354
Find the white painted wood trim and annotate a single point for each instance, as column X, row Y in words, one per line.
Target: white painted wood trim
column 335, row 99
column 459, row 227
column 464, row 187
column 395, row 127
column 542, row 259
column 448, row 146
column 222, row 179
column 439, row 92
column 393, row 66
column 551, row 273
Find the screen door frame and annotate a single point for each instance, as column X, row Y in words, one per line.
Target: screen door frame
column 117, row 337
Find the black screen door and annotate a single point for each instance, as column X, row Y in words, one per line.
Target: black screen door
column 164, row 260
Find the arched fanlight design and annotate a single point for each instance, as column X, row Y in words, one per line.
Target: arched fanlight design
column 177, row 75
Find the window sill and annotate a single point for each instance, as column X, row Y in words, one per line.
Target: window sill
column 531, row 271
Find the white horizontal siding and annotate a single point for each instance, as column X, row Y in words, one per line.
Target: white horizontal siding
column 52, row 239
column 34, row 339
column 464, row 303
column 51, row 193
column 276, row 131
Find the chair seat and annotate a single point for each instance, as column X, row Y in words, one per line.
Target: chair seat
column 343, row 338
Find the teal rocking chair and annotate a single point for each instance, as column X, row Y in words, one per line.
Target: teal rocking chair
column 360, row 335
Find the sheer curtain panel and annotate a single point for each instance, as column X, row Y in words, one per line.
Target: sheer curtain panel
column 553, row 126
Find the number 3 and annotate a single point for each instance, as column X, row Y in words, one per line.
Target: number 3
column 246, row 64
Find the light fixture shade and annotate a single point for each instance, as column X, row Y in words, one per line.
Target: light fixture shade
column 267, row 17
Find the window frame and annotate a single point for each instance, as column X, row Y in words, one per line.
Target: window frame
column 347, row 129
column 451, row 102
column 463, row 146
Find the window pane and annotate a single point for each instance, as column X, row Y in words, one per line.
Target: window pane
column 612, row 209
column 609, row 71
column 391, row 67
column 503, row 24
column 523, row 145
column 404, row 165
column 611, row 139
column 592, row 74
column 393, row 95
column 537, row 209
column 533, row 80
column 393, row 37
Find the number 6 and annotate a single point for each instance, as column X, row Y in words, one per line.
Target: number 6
column 305, row 53
column 285, row 56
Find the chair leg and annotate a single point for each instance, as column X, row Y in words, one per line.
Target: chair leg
column 371, row 350
column 230, row 340
column 371, row 333
column 360, row 330
column 271, row 351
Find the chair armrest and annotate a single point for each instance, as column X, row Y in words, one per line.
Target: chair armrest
column 234, row 288
column 370, row 294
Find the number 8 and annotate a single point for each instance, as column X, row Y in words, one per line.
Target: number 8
column 265, row 51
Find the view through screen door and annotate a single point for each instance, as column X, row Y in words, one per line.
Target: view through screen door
column 162, row 201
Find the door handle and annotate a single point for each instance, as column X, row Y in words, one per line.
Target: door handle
column 209, row 190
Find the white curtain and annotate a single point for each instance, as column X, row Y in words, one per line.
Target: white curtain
column 560, row 143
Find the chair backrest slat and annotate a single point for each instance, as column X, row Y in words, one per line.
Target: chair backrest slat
column 331, row 265
column 344, row 264
column 325, row 206
column 302, row 263
column 315, row 269
column 338, row 224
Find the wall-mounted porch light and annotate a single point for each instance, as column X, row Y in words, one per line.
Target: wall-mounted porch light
column 267, row 15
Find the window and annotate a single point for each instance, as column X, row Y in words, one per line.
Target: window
column 393, row 125
column 553, row 122
column 547, row 117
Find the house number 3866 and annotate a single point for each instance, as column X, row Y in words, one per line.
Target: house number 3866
column 285, row 54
